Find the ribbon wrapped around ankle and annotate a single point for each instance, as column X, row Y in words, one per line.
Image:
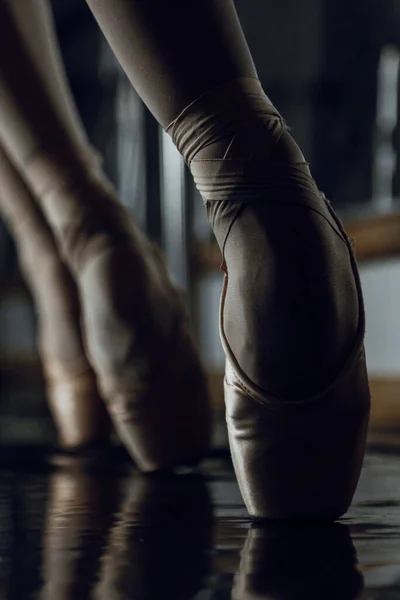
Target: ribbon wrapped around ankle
column 222, row 112
column 239, row 113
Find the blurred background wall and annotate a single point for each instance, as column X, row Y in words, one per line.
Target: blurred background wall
column 332, row 70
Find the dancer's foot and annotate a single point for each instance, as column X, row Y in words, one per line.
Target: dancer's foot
column 136, row 332
column 78, row 411
column 292, row 318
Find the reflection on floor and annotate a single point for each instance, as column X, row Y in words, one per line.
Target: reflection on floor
column 70, row 531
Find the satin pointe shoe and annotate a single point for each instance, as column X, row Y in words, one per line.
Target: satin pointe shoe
column 137, row 335
column 292, row 318
column 71, row 389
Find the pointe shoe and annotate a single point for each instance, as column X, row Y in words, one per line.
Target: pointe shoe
column 72, row 394
column 300, row 459
column 292, row 319
column 79, row 413
column 77, row 409
column 305, row 561
column 136, row 332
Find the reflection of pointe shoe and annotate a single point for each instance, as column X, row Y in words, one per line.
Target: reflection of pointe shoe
column 160, row 547
column 291, row 318
column 78, row 518
column 136, row 331
column 298, row 562
column 78, row 411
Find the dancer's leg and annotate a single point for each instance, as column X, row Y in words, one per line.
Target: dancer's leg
column 74, row 401
column 27, row 36
column 137, row 337
column 292, row 319
column 33, row 22
column 174, row 51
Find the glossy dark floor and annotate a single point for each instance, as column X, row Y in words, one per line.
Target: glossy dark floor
column 72, row 532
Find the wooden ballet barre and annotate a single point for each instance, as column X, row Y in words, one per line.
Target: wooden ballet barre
column 376, row 236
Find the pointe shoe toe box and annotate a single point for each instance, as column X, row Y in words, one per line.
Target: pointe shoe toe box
column 299, row 460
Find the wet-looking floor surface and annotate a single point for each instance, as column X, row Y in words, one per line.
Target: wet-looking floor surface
column 70, row 531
